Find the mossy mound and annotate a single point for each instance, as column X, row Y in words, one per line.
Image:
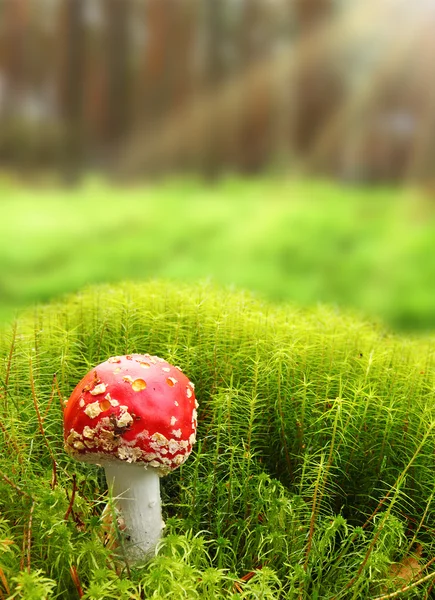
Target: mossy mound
column 312, row 473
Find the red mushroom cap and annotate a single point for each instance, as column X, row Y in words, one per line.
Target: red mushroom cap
column 137, row 409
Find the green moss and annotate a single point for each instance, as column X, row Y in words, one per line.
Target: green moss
column 313, row 469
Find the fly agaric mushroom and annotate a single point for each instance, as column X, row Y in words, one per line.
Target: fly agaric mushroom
column 134, row 415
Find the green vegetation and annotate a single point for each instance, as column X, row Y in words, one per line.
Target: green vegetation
column 312, row 473
column 304, row 242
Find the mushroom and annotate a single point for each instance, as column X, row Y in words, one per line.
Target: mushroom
column 134, row 415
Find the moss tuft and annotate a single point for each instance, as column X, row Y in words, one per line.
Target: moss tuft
column 313, row 470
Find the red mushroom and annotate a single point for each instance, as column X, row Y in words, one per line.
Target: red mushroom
column 136, row 416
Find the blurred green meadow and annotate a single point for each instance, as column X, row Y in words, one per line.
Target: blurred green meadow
column 308, row 242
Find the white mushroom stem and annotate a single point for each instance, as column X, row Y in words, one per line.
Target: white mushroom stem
column 136, row 491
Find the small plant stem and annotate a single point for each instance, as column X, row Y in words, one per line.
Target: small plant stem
column 331, row 449
column 319, row 489
column 71, row 502
column 76, row 580
column 14, row 485
column 9, row 365
column 41, row 425
column 306, row 385
column 229, row 490
column 29, row 535
column 212, row 492
column 27, row 540
column 283, row 434
column 428, row 503
column 313, row 515
column 247, row 453
column 428, row 591
column 4, row 582
column 195, row 478
column 136, row 492
column 382, row 449
column 61, row 400
column 50, row 400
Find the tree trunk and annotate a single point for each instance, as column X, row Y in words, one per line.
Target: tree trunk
column 118, row 79
column 72, row 40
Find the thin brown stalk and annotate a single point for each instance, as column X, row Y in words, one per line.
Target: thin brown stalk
column 4, row 582
column 283, row 435
column 71, row 502
column 428, row 592
column 50, row 400
column 76, row 580
column 29, row 535
column 23, row 548
column 14, row 485
column 61, row 400
column 41, row 426
column 9, row 365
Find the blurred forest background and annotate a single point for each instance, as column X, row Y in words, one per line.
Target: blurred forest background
column 300, row 134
